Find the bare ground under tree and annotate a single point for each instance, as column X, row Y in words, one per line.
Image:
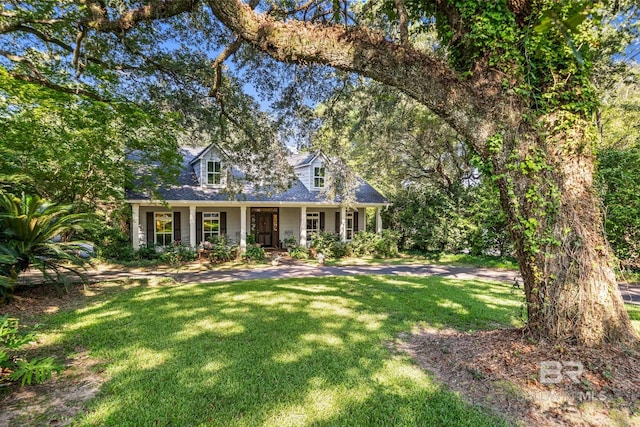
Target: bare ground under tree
column 500, row 369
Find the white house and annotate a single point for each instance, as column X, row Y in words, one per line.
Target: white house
column 198, row 207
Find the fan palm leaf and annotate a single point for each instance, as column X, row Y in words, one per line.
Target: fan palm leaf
column 33, row 233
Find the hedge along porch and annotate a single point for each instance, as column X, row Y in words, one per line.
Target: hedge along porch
column 271, row 224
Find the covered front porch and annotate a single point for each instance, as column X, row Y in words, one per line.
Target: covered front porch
column 271, row 225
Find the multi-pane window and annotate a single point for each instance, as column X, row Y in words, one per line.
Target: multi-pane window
column 214, row 172
column 210, row 225
column 164, row 228
column 349, row 225
column 318, row 177
column 313, row 222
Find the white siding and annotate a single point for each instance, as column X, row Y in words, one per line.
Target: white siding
column 289, row 223
column 303, row 174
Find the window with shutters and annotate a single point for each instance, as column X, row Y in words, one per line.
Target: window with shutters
column 163, row 228
column 210, row 225
column 313, row 222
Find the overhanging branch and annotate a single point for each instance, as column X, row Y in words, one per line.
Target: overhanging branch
column 217, row 65
column 421, row 75
column 158, row 9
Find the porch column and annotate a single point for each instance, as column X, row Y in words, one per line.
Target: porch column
column 364, row 219
column 303, row 226
column 378, row 221
column 243, row 228
column 135, row 226
column 192, row 225
column 343, row 224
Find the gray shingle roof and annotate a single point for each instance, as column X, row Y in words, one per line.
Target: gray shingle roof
column 188, row 187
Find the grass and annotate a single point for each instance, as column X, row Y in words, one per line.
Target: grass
column 634, row 314
column 276, row 353
column 483, row 261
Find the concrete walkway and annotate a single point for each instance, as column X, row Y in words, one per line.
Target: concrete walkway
column 630, row 293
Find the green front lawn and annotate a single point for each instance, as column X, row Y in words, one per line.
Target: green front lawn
column 281, row 352
column 406, row 258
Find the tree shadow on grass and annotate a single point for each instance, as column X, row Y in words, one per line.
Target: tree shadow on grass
column 278, row 352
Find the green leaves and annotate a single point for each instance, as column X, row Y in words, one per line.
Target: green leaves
column 36, row 371
column 618, row 177
column 33, row 233
column 567, row 23
column 27, row 372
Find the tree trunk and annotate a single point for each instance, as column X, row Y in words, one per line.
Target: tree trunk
column 556, row 222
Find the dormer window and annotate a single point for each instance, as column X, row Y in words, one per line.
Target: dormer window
column 318, row 177
column 214, row 172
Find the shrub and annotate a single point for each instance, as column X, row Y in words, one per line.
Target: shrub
column 329, row 244
column 147, row 252
column 253, row 253
column 14, row 369
column 221, row 250
column 169, row 255
column 383, row 245
column 187, row 253
column 177, row 254
column 114, row 245
column 299, row 252
column 387, row 244
column 289, row 242
column 363, row 243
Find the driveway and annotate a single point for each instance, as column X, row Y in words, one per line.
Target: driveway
column 630, row 293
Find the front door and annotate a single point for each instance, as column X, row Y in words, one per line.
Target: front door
column 264, row 228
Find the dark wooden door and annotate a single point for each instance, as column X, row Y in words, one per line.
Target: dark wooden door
column 264, row 229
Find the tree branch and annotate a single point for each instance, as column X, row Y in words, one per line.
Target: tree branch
column 403, row 20
column 82, row 33
column 420, row 75
column 158, row 9
column 48, row 39
column 217, row 65
column 224, row 55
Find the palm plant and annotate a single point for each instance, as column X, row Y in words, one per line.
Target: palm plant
column 33, row 233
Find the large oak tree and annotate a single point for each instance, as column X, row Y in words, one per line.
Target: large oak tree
column 512, row 77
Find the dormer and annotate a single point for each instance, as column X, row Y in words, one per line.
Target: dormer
column 312, row 171
column 210, row 169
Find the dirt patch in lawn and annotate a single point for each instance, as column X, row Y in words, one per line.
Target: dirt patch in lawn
column 55, row 402
column 501, row 369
